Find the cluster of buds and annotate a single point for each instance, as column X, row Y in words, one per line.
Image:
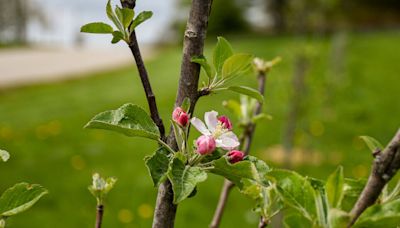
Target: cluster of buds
column 100, row 187
column 263, row 66
column 216, row 133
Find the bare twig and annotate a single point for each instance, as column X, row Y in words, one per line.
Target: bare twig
column 99, row 215
column 385, row 166
column 151, row 99
column 223, row 198
column 195, row 34
column 247, row 139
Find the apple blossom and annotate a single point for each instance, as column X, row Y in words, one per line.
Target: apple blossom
column 223, row 136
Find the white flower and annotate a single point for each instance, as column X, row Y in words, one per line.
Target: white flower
column 224, row 138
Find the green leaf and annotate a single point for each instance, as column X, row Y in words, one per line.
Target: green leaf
column 297, row 221
column 117, row 36
column 97, row 27
column 338, row 218
column 130, row 120
column 236, row 65
column 250, row 169
column 334, row 188
column 184, row 179
column 380, row 215
column 157, row 165
column 234, row 172
column 4, row 155
column 321, row 201
column 372, row 143
column 352, row 189
column 125, row 15
column 260, row 117
column 247, row 91
column 111, row 15
column 19, row 198
column 142, row 17
column 222, row 51
column 186, row 104
column 296, row 191
column 202, row 61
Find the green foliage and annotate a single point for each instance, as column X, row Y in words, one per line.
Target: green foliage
column 184, row 179
column 236, row 65
column 372, row 143
column 125, row 16
column 380, row 215
column 19, row 198
column 334, row 187
column 247, row 91
column 4, row 155
column 157, row 165
column 338, row 218
column 352, row 189
column 186, row 104
column 253, row 169
column 97, row 27
column 122, row 18
column 142, row 17
column 296, row 220
column 117, row 36
column 130, row 120
column 222, row 51
column 202, row 61
column 296, row 191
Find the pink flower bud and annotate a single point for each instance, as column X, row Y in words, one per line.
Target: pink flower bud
column 235, row 156
column 205, row 144
column 180, row 117
column 226, row 123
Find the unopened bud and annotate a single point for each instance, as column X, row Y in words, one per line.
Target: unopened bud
column 180, row 117
column 205, row 144
column 235, row 156
column 226, row 123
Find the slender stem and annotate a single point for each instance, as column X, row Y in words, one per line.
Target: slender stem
column 193, row 44
column 166, row 146
column 385, row 166
column 247, row 139
column 223, row 198
column 99, row 215
column 151, row 99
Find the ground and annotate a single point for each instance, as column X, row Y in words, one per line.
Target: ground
column 41, row 126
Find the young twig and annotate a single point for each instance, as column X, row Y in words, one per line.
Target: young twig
column 99, row 215
column 247, row 139
column 195, row 33
column 384, row 167
column 151, row 99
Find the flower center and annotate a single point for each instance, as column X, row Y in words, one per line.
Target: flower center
column 219, row 130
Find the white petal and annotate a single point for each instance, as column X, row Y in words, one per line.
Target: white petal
column 228, row 141
column 199, row 125
column 211, row 120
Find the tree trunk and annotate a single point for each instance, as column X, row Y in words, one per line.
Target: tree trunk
column 195, row 34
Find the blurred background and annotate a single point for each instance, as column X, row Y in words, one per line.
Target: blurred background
column 339, row 79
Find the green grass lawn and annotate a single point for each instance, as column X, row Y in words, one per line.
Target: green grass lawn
column 42, row 127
